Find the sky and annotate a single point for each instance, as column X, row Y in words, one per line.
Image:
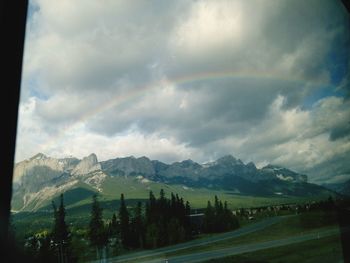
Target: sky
column 264, row 81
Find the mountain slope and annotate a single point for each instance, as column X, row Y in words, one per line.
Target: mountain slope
column 41, row 178
column 341, row 188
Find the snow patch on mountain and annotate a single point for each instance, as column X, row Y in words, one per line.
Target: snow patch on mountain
column 210, row 164
column 284, row 178
column 145, row 181
column 142, row 179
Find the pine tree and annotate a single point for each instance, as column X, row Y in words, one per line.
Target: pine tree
column 113, row 235
column 151, row 209
column 231, row 221
column 166, row 221
column 151, row 236
column 188, row 208
column 164, row 207
column 113, row 227
column 124, row 223
column 187, row 223
column 46, row 253
column 97, row 232
column 61, row 233
column 32, row 247
column 182, row 211
column 216, row 204
column 175, row 231
column 162, row 218
column 209, row 218
column 151, row 225
column 162, row 196
column 137, row 227
column 219, row 218
column 173, row 205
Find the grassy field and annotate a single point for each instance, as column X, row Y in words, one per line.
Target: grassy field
column 292, row 226
column 325, row 250
column 133, row 188
column 308, row 222
column 328, row 248
column 138, row 189
column 78, row 209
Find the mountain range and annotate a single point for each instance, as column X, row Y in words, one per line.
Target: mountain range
column 41, row 178
column 341, row 188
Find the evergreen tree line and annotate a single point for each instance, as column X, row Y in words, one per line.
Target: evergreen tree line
column 218, row 218
column 54, row 246
column 161, row 222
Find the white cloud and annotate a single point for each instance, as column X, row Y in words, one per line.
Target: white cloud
column 290, row 137
column 30, row 133
column 110, row 77
column 209, row 26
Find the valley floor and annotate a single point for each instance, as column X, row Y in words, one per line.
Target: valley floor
column 275, row 239
column 272, row 236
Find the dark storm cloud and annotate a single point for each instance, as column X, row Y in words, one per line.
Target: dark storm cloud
column 337, row 166
column 119, row 69
column 340, row 132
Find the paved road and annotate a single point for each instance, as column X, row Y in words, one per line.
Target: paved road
column 141, row 256
column 206, row 255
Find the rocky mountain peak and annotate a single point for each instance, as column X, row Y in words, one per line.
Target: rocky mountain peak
column 229, row 160
column 42, row 175
column 251, row 165
column 189, row 163
column 91, row 158
column 126, row 166
column 87, row 165
column 38, row 156
column 144, row 159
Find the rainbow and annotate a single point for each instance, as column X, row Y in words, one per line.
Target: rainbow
column 140, row 91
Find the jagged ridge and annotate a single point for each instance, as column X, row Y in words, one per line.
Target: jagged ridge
column 41, row 176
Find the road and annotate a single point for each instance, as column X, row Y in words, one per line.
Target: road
column 206, row 255
column 159, row 253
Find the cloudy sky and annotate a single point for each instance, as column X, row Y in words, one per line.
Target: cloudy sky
column 265, row 81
